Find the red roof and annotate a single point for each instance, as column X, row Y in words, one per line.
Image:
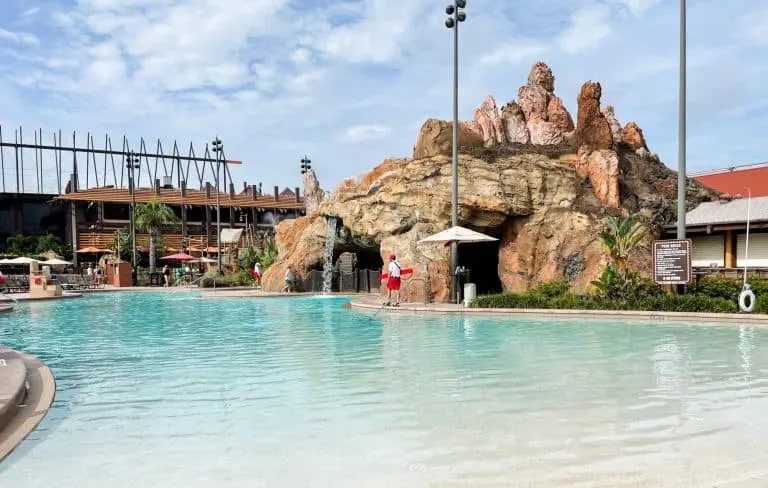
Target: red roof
column 737, row 180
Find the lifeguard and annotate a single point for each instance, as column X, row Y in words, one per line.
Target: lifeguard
column 393, row 280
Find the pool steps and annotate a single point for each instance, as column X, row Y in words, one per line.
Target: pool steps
column 27, row 388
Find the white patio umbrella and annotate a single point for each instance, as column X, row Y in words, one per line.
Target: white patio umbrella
column 56, row 262
column 204, row 260
column 458, row 234
column 23, row 260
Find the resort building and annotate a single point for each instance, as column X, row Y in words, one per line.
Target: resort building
column 86, row 202
column 96, row 214
column 718, row 230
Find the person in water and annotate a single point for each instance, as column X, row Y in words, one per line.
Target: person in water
column 393, row 281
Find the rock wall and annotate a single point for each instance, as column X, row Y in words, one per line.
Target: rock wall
column 527, row 174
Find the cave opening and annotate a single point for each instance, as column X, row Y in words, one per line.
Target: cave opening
column 482, row 261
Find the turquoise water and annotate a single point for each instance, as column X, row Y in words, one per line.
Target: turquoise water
column 167, row 390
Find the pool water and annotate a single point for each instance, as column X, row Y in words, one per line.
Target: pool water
column 168, row 390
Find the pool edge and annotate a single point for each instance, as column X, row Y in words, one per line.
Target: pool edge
column 449, row 309
column 40, row 393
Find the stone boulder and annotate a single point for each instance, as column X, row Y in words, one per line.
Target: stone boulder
column 557, row 244
column 616, row 129
column 436, row 138
column 489, row 123
column 547, row 120
column 515, row 127
column 592, row 128
column 632, row 136
column 313, row 194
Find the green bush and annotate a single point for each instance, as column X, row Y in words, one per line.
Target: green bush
column 240, row 278
column 636, row 294
column 553, row 288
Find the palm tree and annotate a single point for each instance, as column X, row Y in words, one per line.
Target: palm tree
column 150, row 217
column 622, row 237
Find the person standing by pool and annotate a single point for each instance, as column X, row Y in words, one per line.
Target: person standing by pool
column 288, row 280
column 166, row 276
column 257, row 274
column 393, row 281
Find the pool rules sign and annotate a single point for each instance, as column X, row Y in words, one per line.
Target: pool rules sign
column 672, row 262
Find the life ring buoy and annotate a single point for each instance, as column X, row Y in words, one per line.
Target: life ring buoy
column 746, row 300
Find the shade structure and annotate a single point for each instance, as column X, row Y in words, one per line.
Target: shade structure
column 56, row 262
column 179, row 257
column 458, row 234
column 23, row 260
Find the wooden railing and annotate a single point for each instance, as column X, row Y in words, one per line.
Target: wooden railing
column 174, row 242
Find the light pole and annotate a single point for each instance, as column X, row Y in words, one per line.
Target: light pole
column 681, row 180
column 306, row 164
column 218, row 148
column 456, row 15
column 132, row 162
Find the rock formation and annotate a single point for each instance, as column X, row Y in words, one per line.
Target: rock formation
column 313, row 194
column 436, row 137
column 592, row 128
column 526, row 175
column 632, row 136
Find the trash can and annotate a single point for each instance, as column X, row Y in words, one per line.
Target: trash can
column 470, row 293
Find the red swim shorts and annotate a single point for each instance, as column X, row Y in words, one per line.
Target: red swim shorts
column 393, row 283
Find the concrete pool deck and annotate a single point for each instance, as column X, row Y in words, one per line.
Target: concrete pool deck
column 27, row 389
column 374, row 303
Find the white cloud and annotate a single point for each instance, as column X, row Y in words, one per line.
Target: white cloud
column 360, row 133
column 377, row 37
column 30, row 12
column 274, row 78
column 20, row 37
column 638, row 7
column 513, row 53
column 588, row 27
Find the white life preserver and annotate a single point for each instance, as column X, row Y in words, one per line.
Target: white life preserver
column 743, row 296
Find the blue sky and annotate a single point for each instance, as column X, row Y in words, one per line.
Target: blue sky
column 350, row 82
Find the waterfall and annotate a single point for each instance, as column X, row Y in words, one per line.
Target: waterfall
column 330, row 242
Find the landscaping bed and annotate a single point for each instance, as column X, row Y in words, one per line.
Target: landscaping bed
column 709, row 295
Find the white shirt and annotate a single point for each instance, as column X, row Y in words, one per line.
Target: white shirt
column 256, row 268
column 394, row 269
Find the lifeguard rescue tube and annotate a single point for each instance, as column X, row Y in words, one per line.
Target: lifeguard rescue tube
column 746, row 300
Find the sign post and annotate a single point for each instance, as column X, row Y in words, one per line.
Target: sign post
column 672, row 262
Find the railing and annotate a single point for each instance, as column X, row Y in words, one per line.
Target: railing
column 358, row 281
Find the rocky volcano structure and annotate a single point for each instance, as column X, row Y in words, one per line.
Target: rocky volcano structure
column 528, row 175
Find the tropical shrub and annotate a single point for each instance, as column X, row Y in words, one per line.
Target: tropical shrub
column 150, row 218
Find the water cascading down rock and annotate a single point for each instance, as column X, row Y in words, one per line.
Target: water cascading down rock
column 330, row 242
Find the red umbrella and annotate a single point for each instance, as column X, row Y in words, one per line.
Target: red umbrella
column 179, row 257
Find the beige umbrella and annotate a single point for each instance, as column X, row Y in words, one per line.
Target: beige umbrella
column 23, row 260
column 458, row 234
column 56, row 262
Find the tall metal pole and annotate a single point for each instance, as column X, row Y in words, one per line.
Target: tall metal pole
column 133, row 217
column 681, row 179
column 455, row 163
column 456, row 16
column 218, row 208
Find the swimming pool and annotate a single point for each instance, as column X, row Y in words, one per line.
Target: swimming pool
column 167, row 390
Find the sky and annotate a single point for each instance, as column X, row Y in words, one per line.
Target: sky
column 350, row 82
